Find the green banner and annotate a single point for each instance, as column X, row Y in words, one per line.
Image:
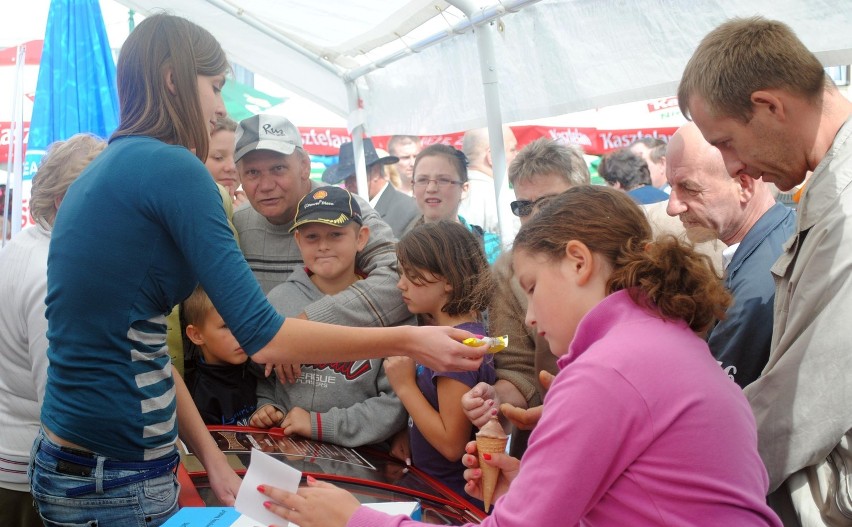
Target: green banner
column 243, row 101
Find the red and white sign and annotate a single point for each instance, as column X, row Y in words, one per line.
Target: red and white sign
column 592, row 140
column 324, row 141
column 597, row 132
column 8, row 82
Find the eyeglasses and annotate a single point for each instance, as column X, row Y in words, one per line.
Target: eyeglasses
column 523, row 207
column 441, row 182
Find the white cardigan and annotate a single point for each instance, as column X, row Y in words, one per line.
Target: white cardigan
column 23, row 350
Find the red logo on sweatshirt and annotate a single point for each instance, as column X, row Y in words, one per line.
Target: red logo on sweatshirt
column 349, row 370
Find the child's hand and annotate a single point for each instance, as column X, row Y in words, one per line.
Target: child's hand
column 298, row 422
column 240, row 198
column 400, row 446
column 266, row 416
column 478, row 403
column 400, row 371
column 508, row 465
column 320, row 504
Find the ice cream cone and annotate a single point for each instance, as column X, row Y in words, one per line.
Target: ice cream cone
column 489, row 445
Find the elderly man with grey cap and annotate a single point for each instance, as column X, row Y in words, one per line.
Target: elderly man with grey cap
column 275, row 174
column 397, row 209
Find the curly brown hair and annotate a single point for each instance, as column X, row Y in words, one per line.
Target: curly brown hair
column 663, row 275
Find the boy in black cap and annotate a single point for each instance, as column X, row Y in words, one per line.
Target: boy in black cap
column 275, row 174
column 328, row 402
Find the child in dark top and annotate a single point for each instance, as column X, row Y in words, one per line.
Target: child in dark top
column 443, row 278
column 223, row 384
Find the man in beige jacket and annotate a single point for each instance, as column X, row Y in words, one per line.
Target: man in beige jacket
column 763, row 99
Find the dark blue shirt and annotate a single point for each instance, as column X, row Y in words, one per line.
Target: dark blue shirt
column 741, row 341
column 647, row 194
column 424, row 455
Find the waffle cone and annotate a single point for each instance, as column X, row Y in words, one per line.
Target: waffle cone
column 489, row 445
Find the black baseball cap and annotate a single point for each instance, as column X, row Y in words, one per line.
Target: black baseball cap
column 329, row 205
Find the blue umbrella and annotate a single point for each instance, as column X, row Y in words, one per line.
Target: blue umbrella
column 76, row 90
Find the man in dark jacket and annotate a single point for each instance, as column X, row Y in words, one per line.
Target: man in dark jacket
column 741, row 212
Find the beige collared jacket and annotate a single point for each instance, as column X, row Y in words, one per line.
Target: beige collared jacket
column 803, row 400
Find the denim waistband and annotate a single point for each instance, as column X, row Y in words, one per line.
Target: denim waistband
column 86, row 459
column 146, row 469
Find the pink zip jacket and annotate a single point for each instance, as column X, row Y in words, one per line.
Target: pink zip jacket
column 640, row 427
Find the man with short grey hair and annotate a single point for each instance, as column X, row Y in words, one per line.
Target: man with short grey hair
column 275, row 173
column 543, row 169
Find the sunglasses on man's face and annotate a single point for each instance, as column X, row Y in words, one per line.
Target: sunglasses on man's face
column 524, row 207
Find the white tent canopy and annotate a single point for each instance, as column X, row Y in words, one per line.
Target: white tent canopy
column 552, row 56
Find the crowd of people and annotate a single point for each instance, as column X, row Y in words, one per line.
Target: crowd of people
column 675, row 338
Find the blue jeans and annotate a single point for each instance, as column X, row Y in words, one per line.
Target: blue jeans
column 75, row 489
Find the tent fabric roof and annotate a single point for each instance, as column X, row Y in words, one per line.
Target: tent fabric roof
column 553, row 56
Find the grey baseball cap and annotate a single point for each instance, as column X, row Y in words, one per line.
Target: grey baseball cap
column 266, row 132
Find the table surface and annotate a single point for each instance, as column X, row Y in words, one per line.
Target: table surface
column 371, row 475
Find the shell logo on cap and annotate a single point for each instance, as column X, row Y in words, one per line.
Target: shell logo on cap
column 320, row 194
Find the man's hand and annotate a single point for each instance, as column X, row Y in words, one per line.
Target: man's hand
column 526, row 419
column 285, row 372
column 479, row 402
column 266, row 416
column 546, row 379
column 522, row 418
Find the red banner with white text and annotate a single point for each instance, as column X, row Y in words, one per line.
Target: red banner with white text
column 327, row 141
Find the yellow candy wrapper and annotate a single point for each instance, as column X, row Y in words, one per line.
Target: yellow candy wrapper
column 494, row 344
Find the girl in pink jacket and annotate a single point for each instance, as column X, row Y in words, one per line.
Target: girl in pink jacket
column 640, row 426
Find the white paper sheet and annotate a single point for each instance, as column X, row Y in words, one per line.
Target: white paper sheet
column 264, row 470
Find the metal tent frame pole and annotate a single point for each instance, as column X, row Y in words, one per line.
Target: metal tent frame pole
column 356, row 129
column 491, row 90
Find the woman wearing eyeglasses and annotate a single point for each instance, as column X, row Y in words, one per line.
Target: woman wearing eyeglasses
column 439, row 184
